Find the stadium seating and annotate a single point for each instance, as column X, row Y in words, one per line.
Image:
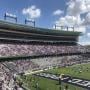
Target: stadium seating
column 8, row 70
column 29, row 50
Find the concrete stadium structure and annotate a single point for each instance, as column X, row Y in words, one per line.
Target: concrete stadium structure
column 12, row 33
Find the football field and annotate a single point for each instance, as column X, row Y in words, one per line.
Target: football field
column 40, row 83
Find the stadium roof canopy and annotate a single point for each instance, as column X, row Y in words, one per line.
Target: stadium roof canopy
column 17, row 33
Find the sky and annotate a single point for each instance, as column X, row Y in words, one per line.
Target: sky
column 46, row 13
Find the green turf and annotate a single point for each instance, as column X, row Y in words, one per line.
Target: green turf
column 47, row 84
column 74, row 71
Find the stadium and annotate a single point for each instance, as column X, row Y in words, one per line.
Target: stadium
column 37, row 56
column 33, row 58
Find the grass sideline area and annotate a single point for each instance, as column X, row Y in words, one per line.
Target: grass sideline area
column 81, row 71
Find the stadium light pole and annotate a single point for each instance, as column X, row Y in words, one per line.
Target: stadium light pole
column 9, row 15
column 61, row 27
column 67, row 28
column 5, row 16
column 30, row 21
column 55, row 26
column 73, row 28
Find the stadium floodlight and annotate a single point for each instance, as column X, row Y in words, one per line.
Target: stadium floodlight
column 9, row 15
column 71, row 29
column 66, row 28
column 59, row 27
column 30, row 21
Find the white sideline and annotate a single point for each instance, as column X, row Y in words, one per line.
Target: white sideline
column 33, row 72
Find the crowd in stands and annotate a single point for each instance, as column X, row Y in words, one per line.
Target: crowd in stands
column 8, row 80
column 29, row 50
column 87, row 48
column 59, row 61
column 21, row 66
column 9, row 70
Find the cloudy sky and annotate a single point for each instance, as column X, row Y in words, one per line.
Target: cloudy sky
column 46, row 13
